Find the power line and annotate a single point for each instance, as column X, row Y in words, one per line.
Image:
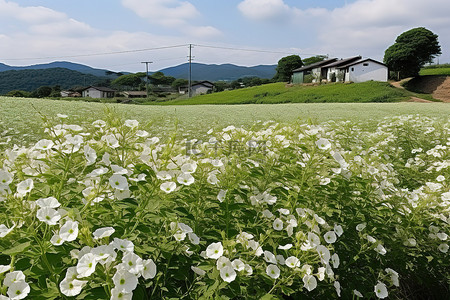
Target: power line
column 97, row 54
column 252, row 50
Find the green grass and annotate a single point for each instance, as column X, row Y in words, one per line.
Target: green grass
column 280, row 93
column 436, row 71
column 20, row 118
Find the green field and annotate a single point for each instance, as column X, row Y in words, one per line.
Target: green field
column 281, row 93
column 435, row 71
column 20, row 118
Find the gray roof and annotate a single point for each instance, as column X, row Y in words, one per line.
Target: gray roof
column 361, row 61
column 315, row 65
column 342, row 62
column 100, row 88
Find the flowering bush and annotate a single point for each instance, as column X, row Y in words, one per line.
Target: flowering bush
column 274, row 211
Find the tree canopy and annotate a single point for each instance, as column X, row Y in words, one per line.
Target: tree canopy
column 314, row 59
column 285, row 67
column 411, row 51
column 128, row 80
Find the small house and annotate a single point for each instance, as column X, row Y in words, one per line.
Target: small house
column 199, row 88
column 333, row 72
column 315, row 70
column 365, row 70
column 70, row 93
column 98, row 92
column 135, row 94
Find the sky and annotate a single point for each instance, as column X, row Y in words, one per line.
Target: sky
column 119, row 35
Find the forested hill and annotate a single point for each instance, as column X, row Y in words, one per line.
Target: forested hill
column 30, row 80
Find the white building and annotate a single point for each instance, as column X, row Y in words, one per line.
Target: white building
column 365, row 70
column 199, row 88
column 98, row 92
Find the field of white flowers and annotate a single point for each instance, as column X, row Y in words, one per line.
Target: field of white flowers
column 268, row 211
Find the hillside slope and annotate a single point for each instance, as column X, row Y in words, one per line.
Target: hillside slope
column 29, row 80
column 437, row 86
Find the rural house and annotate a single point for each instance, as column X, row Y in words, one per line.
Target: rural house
column 353, row 69
column 199, row 88
column 98, row 92
column 315, row 70
column 365, row 70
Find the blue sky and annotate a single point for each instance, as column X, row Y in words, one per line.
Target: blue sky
column 40, row 31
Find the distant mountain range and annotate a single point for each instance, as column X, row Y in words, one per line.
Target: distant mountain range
column 68, row 74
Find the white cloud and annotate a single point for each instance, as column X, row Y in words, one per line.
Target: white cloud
column 265, row 10
column 173, row 14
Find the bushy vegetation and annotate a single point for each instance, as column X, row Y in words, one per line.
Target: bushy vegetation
column 280, row 93
column 272, row 211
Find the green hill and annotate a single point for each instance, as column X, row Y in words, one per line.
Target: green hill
column 365, row 92
column 29, row 80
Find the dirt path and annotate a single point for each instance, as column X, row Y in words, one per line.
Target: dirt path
column 437, row 86
column 442, row 92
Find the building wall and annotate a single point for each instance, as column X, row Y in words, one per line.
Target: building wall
column 93, row 93
column 198, row 90
column 297, row 77
column 373, row 71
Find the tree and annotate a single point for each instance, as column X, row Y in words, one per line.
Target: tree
column 159, row 78
column 411, row 51
column 285, row 67
column 177, row 83
column 314, row 59
column 128, row 80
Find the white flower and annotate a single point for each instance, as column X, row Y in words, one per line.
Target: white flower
column 103, row 232
column 5, row 178
column 142, row 133
column 361, row 226
column 223, row 262
column 310, row 282
column 319, row 220
column 277, row 224
column 371, row 239
column 132, row 263
column 270, row 257
column 71, row 287
column 440, row 178
column 12, row 277
column 44, row 144
column 394, row 276
column 238, row 265
column 443, row 248
column 149, row 270
column 380, row 249
column 118, row 182
column 285, row 247
column 335, row 260
column 104, row 253
column 337, row 286
column 86, row 265
column 198, row 271
column 25, row 187
column 212, row 179
column 330, row 237
column 18, row 290
column 62, row 116
column 123, row 245
column 324, row 254
column 185, row 179
column 117, row 294
column 189, row 167
column 69, row 231
column 5, row 230
column 228, row 274
column 168, row 187
column 125, row 281
column 442, row 236
column 381, row 290
column 51, row 202
column 292, row 262
column 111, row 141
column 56, row 240
column 313, row 239
column 323, row 144
column 90, row 154
column 273, row 271
column 48, row 215
column 4, row 268
column 131, row 123
column 338, row 230
column 221, row 196
column 357, row 294
column 214, row 250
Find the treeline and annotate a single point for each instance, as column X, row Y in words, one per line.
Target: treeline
column 31, row 80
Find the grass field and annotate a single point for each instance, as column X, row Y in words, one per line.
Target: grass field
column 20, row 118
column 280, row 93
column 436, row 71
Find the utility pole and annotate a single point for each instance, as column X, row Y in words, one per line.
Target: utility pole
column 146, row 72
column 190, row 72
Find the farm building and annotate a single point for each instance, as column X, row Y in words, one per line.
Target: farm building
column 199, row 88
column 135, row 94
column 315, row 70
column 365, row 70
column 98, row 92
column 353, row 69
column 70, row 94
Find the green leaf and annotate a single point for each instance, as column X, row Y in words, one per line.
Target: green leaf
column 17, row 249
